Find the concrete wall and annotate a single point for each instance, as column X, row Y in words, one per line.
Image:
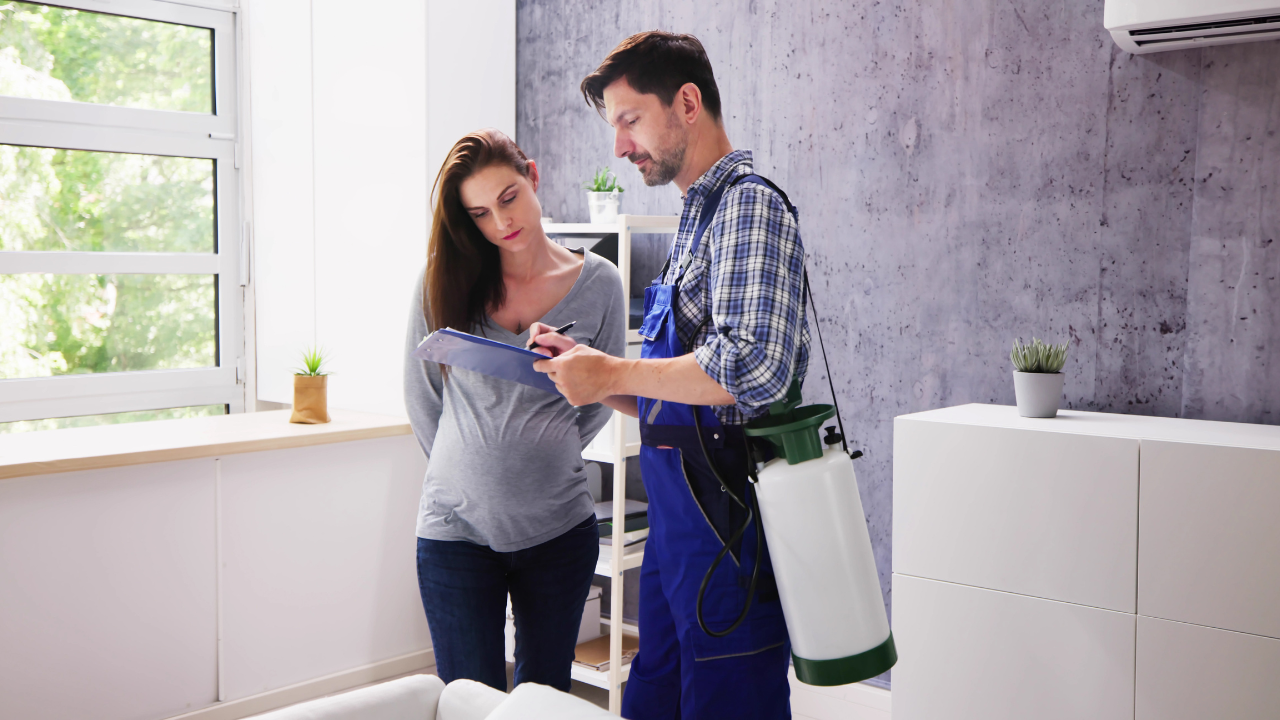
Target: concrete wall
column 967, row 173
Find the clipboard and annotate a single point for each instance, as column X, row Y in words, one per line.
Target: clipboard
column 488, row 357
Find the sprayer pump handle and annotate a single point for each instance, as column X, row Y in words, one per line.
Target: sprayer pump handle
column 833, row 437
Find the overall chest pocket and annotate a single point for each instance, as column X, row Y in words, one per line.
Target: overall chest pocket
column 657, row 303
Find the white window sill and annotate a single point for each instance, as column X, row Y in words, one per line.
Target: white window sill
column 104, row 446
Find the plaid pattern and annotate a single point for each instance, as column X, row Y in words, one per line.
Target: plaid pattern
column 748, row 277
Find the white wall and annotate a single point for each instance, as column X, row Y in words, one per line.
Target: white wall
column 471, row 72
column 352, row 114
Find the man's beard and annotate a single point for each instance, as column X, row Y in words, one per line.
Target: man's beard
column 663, row 167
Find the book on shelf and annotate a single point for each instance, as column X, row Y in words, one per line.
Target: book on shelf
column 594, row 654
column 634, row 525
column 632, row 541
column 636, row 517
column 632, row 508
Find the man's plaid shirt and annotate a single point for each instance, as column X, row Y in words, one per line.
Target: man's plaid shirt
column 748, row 277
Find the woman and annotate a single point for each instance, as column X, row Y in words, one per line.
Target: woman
column 505, row 507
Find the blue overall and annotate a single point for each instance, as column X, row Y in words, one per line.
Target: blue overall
column 680, row 671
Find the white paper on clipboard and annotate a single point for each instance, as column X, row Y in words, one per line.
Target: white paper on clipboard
column 488, row 357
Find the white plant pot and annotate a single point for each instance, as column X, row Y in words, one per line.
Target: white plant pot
column 1038, row 394
column 603, row 206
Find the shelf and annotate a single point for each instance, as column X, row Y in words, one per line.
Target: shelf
column 635, row 223
column 627, row 628
column 617, row 441
column 631, row 558
column 656, row 223
column 596, row 677
column 606, row 456
column 579, row 228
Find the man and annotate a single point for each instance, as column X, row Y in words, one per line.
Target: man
column 724, row 326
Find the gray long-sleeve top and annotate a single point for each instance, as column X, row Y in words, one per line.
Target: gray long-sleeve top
column 504, row 460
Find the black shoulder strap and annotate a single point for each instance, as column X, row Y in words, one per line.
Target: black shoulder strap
column 761, row 180
column 808, row 292
column 709, row 208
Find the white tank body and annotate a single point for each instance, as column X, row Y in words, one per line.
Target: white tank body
column 821, row 551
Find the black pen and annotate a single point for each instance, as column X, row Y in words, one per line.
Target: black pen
column 558, row 331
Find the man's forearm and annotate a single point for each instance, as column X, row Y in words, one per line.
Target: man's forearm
column 678, row 379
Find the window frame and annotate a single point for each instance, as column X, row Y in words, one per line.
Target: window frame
column 104, row 128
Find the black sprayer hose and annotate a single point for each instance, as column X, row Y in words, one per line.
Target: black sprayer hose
column 755, row 572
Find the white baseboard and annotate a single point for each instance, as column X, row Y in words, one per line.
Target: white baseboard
column 858, row 701
column 312, row 689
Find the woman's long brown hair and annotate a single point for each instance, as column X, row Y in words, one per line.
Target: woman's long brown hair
column 464, row 271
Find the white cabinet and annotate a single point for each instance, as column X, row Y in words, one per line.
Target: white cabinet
column 1017, row 510
column 207, row 568
column 973, row 654
column 107, row 593
column 1189, row 672
column 1210, row 542
column 318, row 561
column 1032, row 558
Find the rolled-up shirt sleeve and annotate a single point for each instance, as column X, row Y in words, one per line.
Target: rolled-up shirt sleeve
column 756, row 292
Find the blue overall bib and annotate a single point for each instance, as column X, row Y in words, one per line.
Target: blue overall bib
column 680, row 671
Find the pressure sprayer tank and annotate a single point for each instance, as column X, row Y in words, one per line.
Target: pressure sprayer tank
column 821, row 550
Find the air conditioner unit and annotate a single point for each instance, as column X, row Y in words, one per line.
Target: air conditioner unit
column 1146, row 26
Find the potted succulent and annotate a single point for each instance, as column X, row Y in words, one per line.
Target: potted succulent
column 310, row 389
column 1037, row 377
column 603, row 196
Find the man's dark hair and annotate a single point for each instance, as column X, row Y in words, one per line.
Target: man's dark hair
column 656, row 63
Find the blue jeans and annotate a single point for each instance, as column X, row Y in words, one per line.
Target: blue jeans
column 464, row 590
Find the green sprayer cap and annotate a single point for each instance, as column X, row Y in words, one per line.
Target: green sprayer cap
column 792, row 430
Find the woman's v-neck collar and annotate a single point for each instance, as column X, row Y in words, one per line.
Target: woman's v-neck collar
column 587, row 257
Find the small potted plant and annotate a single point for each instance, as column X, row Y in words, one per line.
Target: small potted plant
column 1038, row 378
column 602, row 196
column 310, row 390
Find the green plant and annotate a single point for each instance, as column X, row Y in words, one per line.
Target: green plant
column 604, row 181
column 1038, row 357
column 312, row 359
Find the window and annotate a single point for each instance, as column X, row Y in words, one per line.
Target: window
column 119, row 211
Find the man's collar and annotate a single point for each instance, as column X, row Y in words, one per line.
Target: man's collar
column 723, row 168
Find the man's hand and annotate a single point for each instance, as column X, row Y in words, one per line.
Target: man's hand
column 582, row 374
column 544, row 341
column 585, row 375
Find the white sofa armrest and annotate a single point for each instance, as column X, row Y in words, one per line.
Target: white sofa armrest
column 415, row 696
column 531, row 701
column 468, row 700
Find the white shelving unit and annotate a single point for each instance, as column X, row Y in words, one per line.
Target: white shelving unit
column 619, row 440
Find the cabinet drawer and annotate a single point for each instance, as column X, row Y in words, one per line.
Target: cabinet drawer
column 1188, row 672
column 1209, row 550
column 1036, row 512
column 973, row 654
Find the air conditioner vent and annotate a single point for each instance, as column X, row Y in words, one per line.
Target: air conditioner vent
column 1144, row 26
column 1273, row 32
column 1219, row 25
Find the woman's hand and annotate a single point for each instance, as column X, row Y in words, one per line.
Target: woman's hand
column 544, row 341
